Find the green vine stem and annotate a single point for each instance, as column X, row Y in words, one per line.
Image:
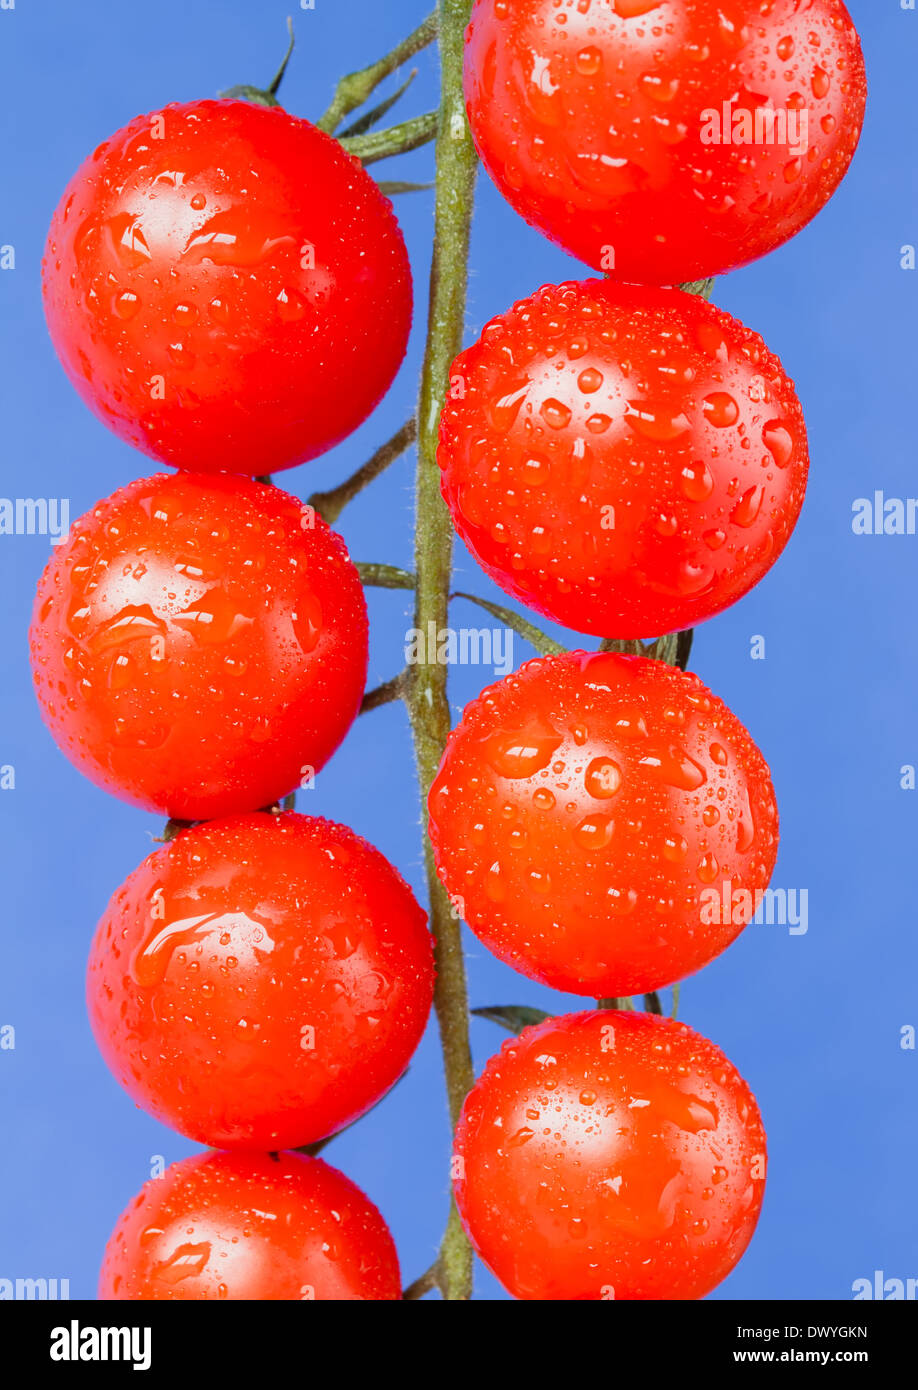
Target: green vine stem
column 423, row 687
column 428, row 705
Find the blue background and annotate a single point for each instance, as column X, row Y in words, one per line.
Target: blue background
column 812, row 1021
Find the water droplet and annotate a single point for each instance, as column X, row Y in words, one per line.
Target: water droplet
column 589, row 60
column 128, row 240
column 555, row 414
column 213, row 618
column 720, row 409
column 603, row 778
column 820, row 83
column 633, row 9
column 225, row 239
column 126, row 304
column 131, row 624
column 185, row 1262
column 779, row 442
column 676, row 769
column 708, row 868
column 522, row 752
column 595, row 832
column 307, row 621
column 151, row 959
column 290, row 306
column 675, row 848
column 590, row 380
column 656, row 422
column 494, row 884
column 502, row 413
column 747, row 509
column 696, row 480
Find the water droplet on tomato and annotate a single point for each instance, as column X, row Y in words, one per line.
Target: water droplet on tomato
column 523, row 752
column 126, row 304
column 213, row 618
column 779, row 442
column 603, row 778
column 185, row 1262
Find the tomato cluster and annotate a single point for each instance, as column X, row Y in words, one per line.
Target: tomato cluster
column 622, row 457
column 229, row 291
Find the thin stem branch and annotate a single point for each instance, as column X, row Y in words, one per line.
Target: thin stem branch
column 331, row 504
column 430, row 1279
column 376, row 113
column 543, row 644
column 428, row 703
column 393, row 187
column 385, row 576
column 386, row 693
column 395, row 139
column 352, row 91
column 278, row 77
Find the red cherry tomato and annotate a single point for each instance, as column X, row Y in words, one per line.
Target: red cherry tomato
column 199, row 644
column 250, row 1227
column 227, row 288
column 665, row 140
column 603, row 823
column 627, row 461
column 610, row 1155
column 261, row 981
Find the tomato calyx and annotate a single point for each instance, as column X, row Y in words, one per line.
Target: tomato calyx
column 264, row 96
column 175, row 827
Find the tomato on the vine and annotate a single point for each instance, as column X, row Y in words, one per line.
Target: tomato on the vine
column 227, row 288
column 254, row 1227
column 199, row 644
column 610, row 1155
column 261, row 981
column 665, row 140
column 603, row 823
column 627, row 461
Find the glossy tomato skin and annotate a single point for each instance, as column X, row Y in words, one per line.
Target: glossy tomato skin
column 602, row 124
column 250, row 1227
column 603, row 823
column 227, row 288
column 627, row 461
column 261, row 981
column 610, row 1155
column 199, row 644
